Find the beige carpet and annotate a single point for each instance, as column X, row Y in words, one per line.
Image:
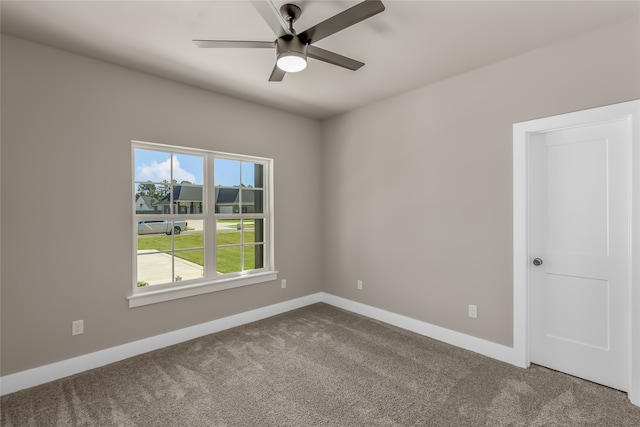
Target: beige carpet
column 317, row 366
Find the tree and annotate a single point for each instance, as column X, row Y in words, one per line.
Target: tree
column 154, row 191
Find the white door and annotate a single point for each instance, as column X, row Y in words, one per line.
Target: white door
column 580, row 232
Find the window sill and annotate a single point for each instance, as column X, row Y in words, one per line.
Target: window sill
column 168, row 294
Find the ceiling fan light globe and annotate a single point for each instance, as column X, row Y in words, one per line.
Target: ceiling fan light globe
column 291, row 62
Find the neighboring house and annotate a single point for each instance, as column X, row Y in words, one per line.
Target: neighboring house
column 186, row 198
column 227, row 200
column 145, row 204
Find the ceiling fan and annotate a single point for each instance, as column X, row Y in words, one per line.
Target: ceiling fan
column 292, row 48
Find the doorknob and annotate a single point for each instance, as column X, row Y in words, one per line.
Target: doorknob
column 537, row 261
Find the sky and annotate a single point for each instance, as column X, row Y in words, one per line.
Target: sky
column 155, row 166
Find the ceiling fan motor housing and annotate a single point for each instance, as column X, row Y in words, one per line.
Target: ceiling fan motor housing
column 288, row 48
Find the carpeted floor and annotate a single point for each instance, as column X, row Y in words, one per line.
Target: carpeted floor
column 317, row 366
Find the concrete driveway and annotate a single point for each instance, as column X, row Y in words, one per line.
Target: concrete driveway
column 155, row 268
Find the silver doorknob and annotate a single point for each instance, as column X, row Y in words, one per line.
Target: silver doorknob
column 537, row 261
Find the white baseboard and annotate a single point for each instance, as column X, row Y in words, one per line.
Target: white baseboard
column 43, row 374
column 458, row 339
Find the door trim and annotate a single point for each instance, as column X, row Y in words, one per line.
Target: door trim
column 521, row 266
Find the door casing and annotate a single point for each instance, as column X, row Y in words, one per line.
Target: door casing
column 522, row 132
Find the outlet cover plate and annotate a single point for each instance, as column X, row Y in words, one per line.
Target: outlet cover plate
column 473, row 311
column 77, row 327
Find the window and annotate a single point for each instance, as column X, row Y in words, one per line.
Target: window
column 202, row 222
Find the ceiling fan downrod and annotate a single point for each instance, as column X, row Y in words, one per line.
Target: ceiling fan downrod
column 290, row 12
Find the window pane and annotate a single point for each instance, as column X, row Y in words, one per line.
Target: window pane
column 226, row 173
column 147, row 196
column 189, row 265
column 163, row 179
column 193, row 239
column 152, row 166
column 252, row 201
column 227, row 201
column 187, row 199
column 248, row 231
column 156, row 265
column 154, row 268
column 156, row 166
column 229, row 259
column 252, row 175
column 228, row 232
column 253, row 230
column 187, row 169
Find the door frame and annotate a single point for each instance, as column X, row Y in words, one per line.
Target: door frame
column 522, row 133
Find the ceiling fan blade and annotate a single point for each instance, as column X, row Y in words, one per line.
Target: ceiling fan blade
column 333, row 58
column 277, row 74
column 339, row 22
column 271, row 16
column 233, row 44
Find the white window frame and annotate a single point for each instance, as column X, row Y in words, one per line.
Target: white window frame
column 211, row 282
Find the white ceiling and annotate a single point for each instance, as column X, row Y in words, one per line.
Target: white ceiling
column 409, row 45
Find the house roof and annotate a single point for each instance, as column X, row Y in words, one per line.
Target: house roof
column 230, row 196
column 224, row 196
column 148, row 200
column 183, row 193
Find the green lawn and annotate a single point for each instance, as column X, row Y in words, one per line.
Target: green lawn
column 183, row 241
column 229, row 259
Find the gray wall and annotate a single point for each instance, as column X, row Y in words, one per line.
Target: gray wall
column 417, row 189
column 67, row 123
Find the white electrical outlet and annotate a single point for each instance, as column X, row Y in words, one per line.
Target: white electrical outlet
column 359, row 284
column 283, row 283
column 473, row 311
column 77, row 327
